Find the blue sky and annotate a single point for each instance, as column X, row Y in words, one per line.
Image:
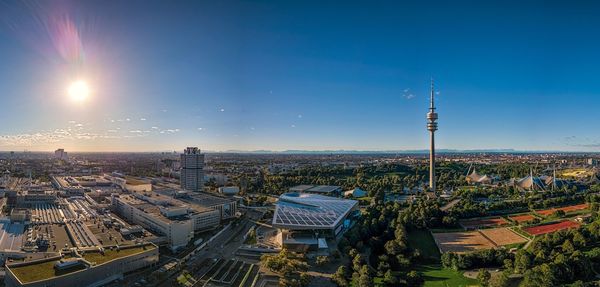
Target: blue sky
column 312, row 75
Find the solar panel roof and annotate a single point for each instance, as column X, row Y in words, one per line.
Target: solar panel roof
column 310, row 211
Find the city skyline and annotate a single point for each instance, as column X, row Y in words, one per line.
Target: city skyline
column 250, row 76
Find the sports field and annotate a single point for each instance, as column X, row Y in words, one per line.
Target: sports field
column 548, row 228
column 522, row 218
column 502, row 236
column 462, row 242
column 566, row 209
column 577, row 173
column 483, row 222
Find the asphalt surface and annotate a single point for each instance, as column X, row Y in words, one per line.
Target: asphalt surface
column 223, row 246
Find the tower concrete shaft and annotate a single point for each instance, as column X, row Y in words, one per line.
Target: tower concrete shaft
column 432, row 117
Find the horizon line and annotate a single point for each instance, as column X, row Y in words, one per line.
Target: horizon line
column 332, row 151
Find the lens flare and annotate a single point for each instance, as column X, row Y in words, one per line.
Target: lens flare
column 79, row 91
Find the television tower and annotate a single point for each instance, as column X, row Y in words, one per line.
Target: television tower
column 432, row 117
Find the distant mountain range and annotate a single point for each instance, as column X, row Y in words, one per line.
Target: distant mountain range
column 423, row 151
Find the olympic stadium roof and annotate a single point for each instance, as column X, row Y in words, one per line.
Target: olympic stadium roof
column 310, row 211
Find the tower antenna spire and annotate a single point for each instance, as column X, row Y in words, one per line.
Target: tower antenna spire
column 432, row 104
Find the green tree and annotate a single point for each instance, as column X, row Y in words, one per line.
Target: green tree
column 365, row 279
column 578, row 239
column 413, row 278
column 339, row 277
column 390, row 279
column 567, row 247
column 542, row 276
column 357, row 262
column 392, row 247
column 508, row 264
column 559, row 213
column 322, row 260
column 352, row 253
column 499, row 279
column 522, row 261
column 484, row 277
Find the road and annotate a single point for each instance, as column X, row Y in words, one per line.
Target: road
column 223, row 246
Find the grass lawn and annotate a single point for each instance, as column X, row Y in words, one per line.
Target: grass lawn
column 520, row 231
column 421, row 239
column 98, row 258
column 41, row 271
column 577, row 212
column 377, row 282
column 436, row 276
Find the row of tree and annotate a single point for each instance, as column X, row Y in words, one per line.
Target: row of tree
column 378, row 243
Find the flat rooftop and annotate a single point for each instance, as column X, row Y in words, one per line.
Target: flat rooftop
column 154, row 209
column 324, row 188
column 58, row 236
column 11, row 236
column 41, row 270
column 135, row 181
column 301, row 187
column 315, row 188
column 206, row 200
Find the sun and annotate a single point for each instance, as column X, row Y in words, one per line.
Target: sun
column 79, row 91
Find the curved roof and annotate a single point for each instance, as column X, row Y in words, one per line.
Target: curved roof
column 531, row 183
column 474, row 176
column 310, row 211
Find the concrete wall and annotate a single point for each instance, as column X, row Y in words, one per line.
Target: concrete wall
column 93, row 276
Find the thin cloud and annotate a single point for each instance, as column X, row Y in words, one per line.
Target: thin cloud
column 407, row 95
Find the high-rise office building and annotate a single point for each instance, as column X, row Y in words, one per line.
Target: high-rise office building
column 192, row 169
column 61, row 154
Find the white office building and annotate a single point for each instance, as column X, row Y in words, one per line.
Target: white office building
column 192, row 169
column 165, row 216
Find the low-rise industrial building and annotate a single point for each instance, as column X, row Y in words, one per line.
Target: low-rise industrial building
column 229, row 190
column 166, row 216
column 75, row 269
column 331, row 190
column 227, row 206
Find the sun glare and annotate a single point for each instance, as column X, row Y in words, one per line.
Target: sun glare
column 79, row 91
